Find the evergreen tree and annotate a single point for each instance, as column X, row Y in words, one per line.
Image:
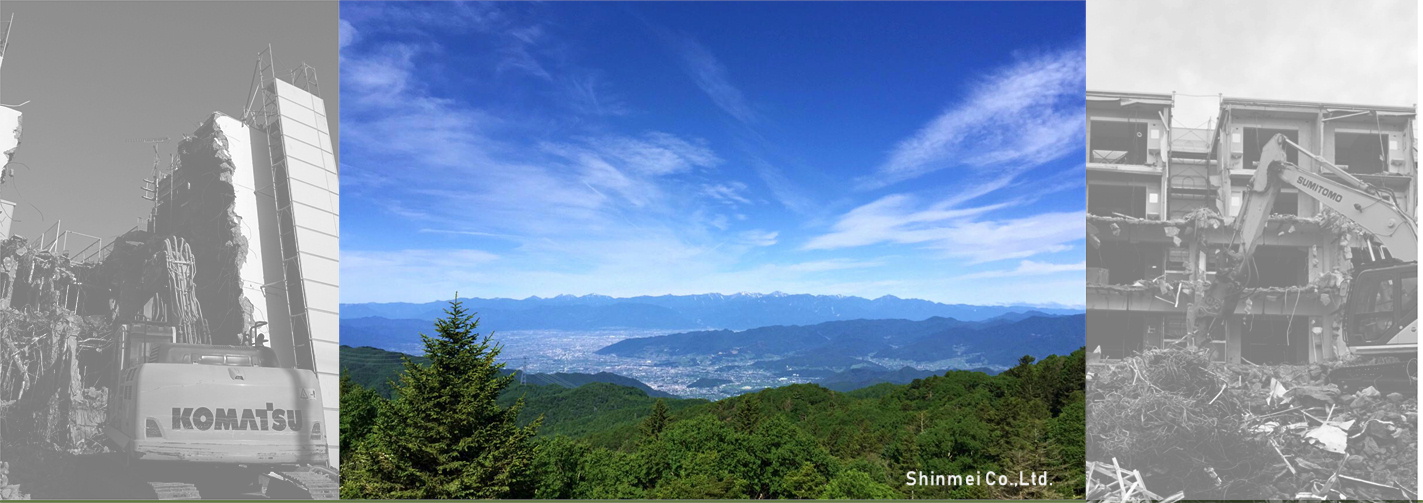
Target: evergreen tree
column 657, row 421
column 443, row 435
column 359, row 409
column 747, row 414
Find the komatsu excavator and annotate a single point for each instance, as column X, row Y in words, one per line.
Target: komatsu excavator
column 184, row 411
column 1380, row 316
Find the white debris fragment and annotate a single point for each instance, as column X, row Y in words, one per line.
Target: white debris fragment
column 1329, row 438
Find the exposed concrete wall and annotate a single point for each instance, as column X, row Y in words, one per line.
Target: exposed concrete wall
column 203, row 209
column 10, row 121
column 251, row 273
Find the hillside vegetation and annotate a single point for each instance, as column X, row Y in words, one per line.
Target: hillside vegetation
column 601, row 440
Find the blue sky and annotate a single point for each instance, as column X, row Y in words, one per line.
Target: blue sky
column 925, row 150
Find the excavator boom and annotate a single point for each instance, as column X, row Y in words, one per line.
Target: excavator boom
column 1348, row 196
column 1382, row 306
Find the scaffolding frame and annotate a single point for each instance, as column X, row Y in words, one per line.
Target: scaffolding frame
column 5, row 34
column 55, row 240
column 267, row 119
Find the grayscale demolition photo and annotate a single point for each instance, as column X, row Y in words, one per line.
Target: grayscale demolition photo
column 168, row 250
column 1252, row 292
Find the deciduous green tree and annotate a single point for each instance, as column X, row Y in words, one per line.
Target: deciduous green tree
column 855, row 484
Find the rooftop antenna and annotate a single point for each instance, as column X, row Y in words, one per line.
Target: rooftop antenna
column 150, row 185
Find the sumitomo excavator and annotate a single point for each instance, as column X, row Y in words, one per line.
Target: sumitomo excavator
column 1380, row 315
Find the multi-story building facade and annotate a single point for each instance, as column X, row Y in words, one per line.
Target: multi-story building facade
column 1161, row 200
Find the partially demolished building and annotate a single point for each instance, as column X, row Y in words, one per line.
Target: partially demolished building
column 1161, row 199
column 241, row 242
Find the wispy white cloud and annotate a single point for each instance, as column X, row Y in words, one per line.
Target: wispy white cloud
column 730, row 192
column 347, row 34
column 469, row 233
column 1016, row 118
column 518, row 58
column 657, row 153
column 588, row 189
column 894, row 219
column 954, row 232
column 405, row 259
column 710, row 75
column 419, row 19
column 837, row 264
column 588, row 94
column 785, row 191
column 1029, row 268
column 759, row 237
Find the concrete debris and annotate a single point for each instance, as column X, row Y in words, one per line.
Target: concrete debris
column 35, row 278
column 1330, row 438
column 1113, row 483
column 1228, row 431
column 42, row 381
column 9, row 491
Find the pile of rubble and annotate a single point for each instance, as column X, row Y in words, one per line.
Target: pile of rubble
column 1113, row 483
column 45, row 398
column 1221, row 431
column 9, row 491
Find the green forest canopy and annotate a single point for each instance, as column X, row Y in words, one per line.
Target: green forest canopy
column 602, row 440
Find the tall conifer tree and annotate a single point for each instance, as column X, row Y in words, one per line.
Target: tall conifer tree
column 442, row 435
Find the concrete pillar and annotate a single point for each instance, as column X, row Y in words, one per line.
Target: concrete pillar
column 1233, row 330
column 1322, row 345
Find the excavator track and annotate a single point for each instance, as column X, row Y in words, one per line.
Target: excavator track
column 1386, row 376
column 175, row 490
column 317, row 483
column 108, row 476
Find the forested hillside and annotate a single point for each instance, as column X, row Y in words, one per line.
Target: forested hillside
column 606, row 441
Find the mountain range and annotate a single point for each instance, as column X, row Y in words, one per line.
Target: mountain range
column 844, row 345
column 675, row 312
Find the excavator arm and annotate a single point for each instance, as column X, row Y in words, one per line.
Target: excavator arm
column 1346, row 195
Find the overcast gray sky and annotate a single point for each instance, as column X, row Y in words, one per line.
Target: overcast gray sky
column 100, row 75
column 1310, row 50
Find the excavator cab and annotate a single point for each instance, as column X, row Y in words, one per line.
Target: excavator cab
column 1383, row 302
column 1381, row 320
